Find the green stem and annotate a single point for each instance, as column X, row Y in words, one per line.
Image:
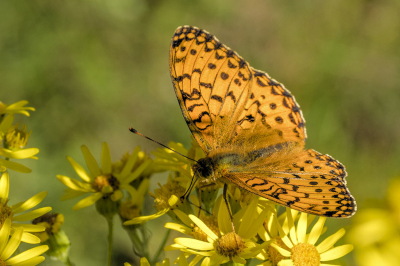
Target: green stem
column 161, row 247
column 136, row 242
column 110, row 222
column 68, row 262
column 145, row 242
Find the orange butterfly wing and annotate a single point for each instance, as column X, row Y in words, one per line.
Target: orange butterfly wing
column 211, row 82
column 311, row 182
column 272, row 107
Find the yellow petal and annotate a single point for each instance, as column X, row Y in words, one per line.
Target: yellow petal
column 183, row 260
column 239, row 260
column 31, row 262
column 286, row 263
column 292, row 228
column 302, row 228
column 143, row 219
column 248, row 218
column 282, row 251
column 15, row 166
column 144, row 262
column 87, row 201
column 75, row 184
column 105, row 159
column 178, row 227
column 330, row 241
column 117, row 195
column 183, row 217
column 205, row 262
column 203, row 227
column 194, row 243
column 29, row 238
column 174, row 247
column 256, row 224
column 30, row 227
column 70, row 194
column 137, row 172
column 79, row 170
column 173, row 200
column 4, row 233
column 91, row 163
column 130, row 163
column 20, row 154
column 316, row 231
column 6, row 124
column 26, row 255
column 224, row 220
column 12, row 244
column 336, row 252
column 282, row 234
column 31, row 215
column 30, row 203
column 4, row 185
column 195, row 260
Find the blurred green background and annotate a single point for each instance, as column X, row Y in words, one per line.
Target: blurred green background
column 92, row 69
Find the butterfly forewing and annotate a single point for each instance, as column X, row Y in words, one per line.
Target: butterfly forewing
column 272, row 107
column 211, row 82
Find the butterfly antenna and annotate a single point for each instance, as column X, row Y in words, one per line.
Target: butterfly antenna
column 140, row 134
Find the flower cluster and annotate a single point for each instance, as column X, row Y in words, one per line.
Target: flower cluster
column 14, row 228
column 216, row 231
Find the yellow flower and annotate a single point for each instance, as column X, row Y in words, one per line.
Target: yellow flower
column 299, row 248
column 9, row 246
column 15, row 108
column 14, row 212
column 10, row 151
column 166, row 198
column 51, row 221
column 227, row 245
column 54, row 237
column 132, row 207
column 104, row 181
column 16, row 138
column 181, row 260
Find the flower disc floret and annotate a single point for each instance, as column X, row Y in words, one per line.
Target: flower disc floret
column 17, row 138
column 5, row 211
column 105, row 180
column 230, row 245
column 304, row 254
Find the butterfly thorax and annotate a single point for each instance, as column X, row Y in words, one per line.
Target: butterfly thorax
column 211, row 168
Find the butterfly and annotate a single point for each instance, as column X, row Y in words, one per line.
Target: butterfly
column 251, row 129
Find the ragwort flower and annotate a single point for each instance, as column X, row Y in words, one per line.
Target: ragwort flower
column 9, row 246
column 14, row 140
column 14, row 212
column 225, row 245
column 107, row 181
column 15, row 108
column 299, row 248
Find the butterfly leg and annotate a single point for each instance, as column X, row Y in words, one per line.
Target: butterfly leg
column 227, row 205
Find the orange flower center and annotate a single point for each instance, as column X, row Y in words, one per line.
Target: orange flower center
column 105, row 180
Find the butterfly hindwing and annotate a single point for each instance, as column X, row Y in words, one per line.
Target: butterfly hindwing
column 310, row 182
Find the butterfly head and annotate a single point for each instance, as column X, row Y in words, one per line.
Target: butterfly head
column 204, row 167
